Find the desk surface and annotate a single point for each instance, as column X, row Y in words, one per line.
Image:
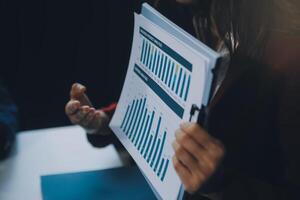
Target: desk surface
column 49, row 151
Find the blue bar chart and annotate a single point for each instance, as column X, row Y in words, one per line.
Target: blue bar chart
column 166, row 65
column 168, row 73
column 143, row 127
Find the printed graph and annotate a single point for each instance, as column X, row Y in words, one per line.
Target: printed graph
column 165, row 64
column 168, row 72
column 143, row 128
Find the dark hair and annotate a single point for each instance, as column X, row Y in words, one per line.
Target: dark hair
column 244, row 26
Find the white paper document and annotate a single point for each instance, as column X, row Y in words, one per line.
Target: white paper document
column 166, row 75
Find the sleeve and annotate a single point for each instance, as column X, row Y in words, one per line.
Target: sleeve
column 98, row 140
column 8, row 123
column 102, row 140
column 289, row 121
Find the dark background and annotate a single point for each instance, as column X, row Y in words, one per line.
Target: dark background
column 46, row 45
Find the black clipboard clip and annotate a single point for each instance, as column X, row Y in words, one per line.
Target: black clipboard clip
column 201, row 114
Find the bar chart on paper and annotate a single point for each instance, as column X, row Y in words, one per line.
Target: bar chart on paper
column 164, row 79
column 138, row 125
column 166, row 65
column 152, row 104
column 146, row 125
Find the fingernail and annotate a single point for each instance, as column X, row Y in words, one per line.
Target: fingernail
column 74, row 85
column 81, row 87
column 185, row 125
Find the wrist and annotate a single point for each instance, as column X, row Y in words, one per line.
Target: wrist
column 109, row 110
column 106, row 114
column 101, row 127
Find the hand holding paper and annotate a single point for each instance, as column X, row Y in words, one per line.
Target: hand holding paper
column 197, row 155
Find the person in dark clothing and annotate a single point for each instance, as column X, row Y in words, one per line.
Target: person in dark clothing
column 254, row 112
column 8, row 123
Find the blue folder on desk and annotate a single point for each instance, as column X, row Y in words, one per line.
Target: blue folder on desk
column 110, row 184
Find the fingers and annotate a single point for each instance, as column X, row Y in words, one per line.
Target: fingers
column 184, row 157
column 188, row 142
column 86, row 116
column 196, row 132
column 89, row 118
column 80, row 111
column 93, row 120
column 204, row 158
column 101, row 119
column 78, row 93
column 199, row 143
column 79, row 116
column 72, row 107
column 183, row 173
column 198, row 153
column 77, row 90
column 191, row 182
column 211, row 144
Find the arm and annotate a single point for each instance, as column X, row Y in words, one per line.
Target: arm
column 100, row 140
column 289, row 120
column 286, row 87
column 282, row 54
column 197, row 156
column 8, row 123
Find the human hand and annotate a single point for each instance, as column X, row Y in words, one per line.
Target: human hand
column 81, row 112
column 197, row 155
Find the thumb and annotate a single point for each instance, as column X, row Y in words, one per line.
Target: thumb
column 78, row 93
